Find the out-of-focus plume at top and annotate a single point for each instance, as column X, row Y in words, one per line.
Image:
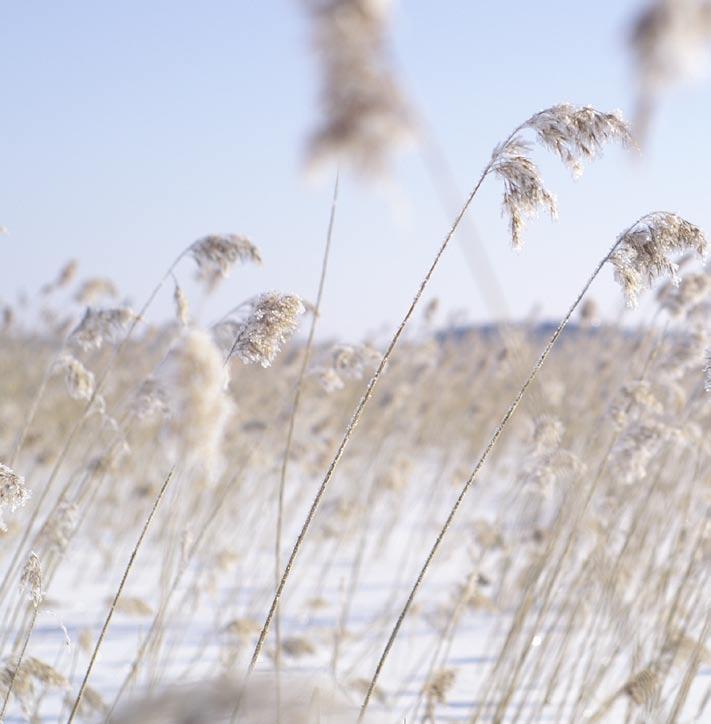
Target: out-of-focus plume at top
column 669, row 42
column 365, row 114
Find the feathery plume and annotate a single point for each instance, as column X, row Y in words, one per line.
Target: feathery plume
column 31, row 580
column 60, row 527
column 195, row 379
column 524, row 192
column 347, row 362
column 13, row 491
column 642, row 252
column 546, row 461
column 328, row 379
column 151, row 401
column 79, row 381
column 685, row 352
column 271, row 319
column 668, row 43
column 642, row 687
column 577, row 135
column 365, row 113
column 216, row 254
column 574, row 134
column 95, row 288
column 65, row 277
column 635, row 401
column 436, row 690
column 44, row 673
column 100, row 325
column 352, row 361
column 691, row 290
column 182, row 309
column 637, row 448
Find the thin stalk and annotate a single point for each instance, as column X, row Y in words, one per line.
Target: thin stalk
column 355, row 419
column 158, row 618
column 20, row 440
column 290, row 432
column 119, row 591
column 19, row 661
column 468, row 484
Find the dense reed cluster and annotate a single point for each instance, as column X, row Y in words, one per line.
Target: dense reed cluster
column 579, row 547
column 165, row 484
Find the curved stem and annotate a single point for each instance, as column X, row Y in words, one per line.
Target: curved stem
column 119, row 591
column 292, row 422
column 19, row 662
column 465, row 488
column 355, row 419
column 20, row 440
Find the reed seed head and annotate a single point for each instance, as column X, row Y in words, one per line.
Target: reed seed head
column 96, row 288
column 100, row 325
column 574, row 134
column 31, row 579
column 13, row 491
column 642, row 253
column 271, row 319
column 216, row 254
column 79, row 380
column 195, row 378
column 182, row 308
column 365, row 112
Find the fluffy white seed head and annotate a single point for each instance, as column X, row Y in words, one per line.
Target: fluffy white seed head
column 58, row 530
column 79, row 380
column 216, row 254
column 365, row 115
column 182, row 308
column 271, row 319
column 195, row 377
column 64, row 277
column 31, row 579
column 99, row 326
column 96, row 288
column 578, row 134
column 574, row 134
column 13, row 491
column 151, row 401
column 643, row 252
column 668, row 42
column 679, row 299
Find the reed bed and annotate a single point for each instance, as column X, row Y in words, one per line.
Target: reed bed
column 504, row 522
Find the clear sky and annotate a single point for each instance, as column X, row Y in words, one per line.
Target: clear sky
column 130, row 129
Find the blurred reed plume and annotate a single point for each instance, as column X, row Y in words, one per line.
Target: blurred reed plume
column 216, row 254
column 13, row 492
column 669, row 43
column 306, row 699
column 365, row 114
column 644, row 252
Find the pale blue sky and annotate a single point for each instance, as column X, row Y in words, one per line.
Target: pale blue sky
column 130, row 129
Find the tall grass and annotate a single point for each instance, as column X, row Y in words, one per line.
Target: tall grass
column 566, row 577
